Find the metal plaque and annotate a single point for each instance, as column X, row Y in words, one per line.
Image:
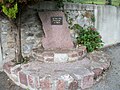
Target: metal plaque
column 56, row 20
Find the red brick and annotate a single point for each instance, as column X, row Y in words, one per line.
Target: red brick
column 37, row 85
column 87, row 82
column 7, row 67
column 48, row 54
column 74, row 54
column 60, row 85
column 31, row 81
column 80, row 53
column 106, row 65
column 73, row 85
column 23, row 78
column 15, row 71
column 49, row 59
column 45, row 84
column 97, row 71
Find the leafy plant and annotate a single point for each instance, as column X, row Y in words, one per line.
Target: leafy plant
column 88, row 37
column 60, row 3
column 10, row 12
column 93, row 18
column 11, row 1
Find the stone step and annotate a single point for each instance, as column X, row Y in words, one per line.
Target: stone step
column 58, row 56
column 59, row 76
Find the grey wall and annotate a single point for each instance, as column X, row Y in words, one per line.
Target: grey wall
column 108, row 23
column 107, row 20
column 31, row 33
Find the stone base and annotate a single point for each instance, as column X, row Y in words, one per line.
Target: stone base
column 59, row 56
column 59, row 76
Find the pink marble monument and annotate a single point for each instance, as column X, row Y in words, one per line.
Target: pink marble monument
column 55, row 26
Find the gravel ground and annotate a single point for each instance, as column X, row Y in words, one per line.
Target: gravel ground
column 6, row 83
column 110, row 82
column 112, row 79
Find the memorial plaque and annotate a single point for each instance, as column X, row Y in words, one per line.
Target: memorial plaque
column 56, row 20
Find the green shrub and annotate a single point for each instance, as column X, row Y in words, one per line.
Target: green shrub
column 88, row 37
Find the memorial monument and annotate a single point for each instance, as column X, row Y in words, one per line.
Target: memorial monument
column 57, row 42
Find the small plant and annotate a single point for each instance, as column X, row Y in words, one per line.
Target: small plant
column 88, row 37
column 93, row 18
column 10, row 12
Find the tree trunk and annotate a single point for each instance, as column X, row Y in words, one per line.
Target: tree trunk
column 17, row 36
column 18, row 52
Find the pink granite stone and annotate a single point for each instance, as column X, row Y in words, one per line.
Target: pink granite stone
column 31, row 81
column 56, row 36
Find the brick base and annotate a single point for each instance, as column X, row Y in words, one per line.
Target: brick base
column 54, row 76
column 58, row 56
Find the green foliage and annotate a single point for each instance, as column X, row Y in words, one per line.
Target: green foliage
column 11, row 1
column 114, row 2
column 93, row 18
column 60, row 3
column 10, row 12
column 88, row 37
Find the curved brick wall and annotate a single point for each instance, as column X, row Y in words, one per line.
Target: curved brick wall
column 81, row 74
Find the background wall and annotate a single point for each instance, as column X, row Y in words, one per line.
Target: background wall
column 107, row 20
column 108, row 23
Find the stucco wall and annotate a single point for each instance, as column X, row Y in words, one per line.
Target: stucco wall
column 108, row 23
